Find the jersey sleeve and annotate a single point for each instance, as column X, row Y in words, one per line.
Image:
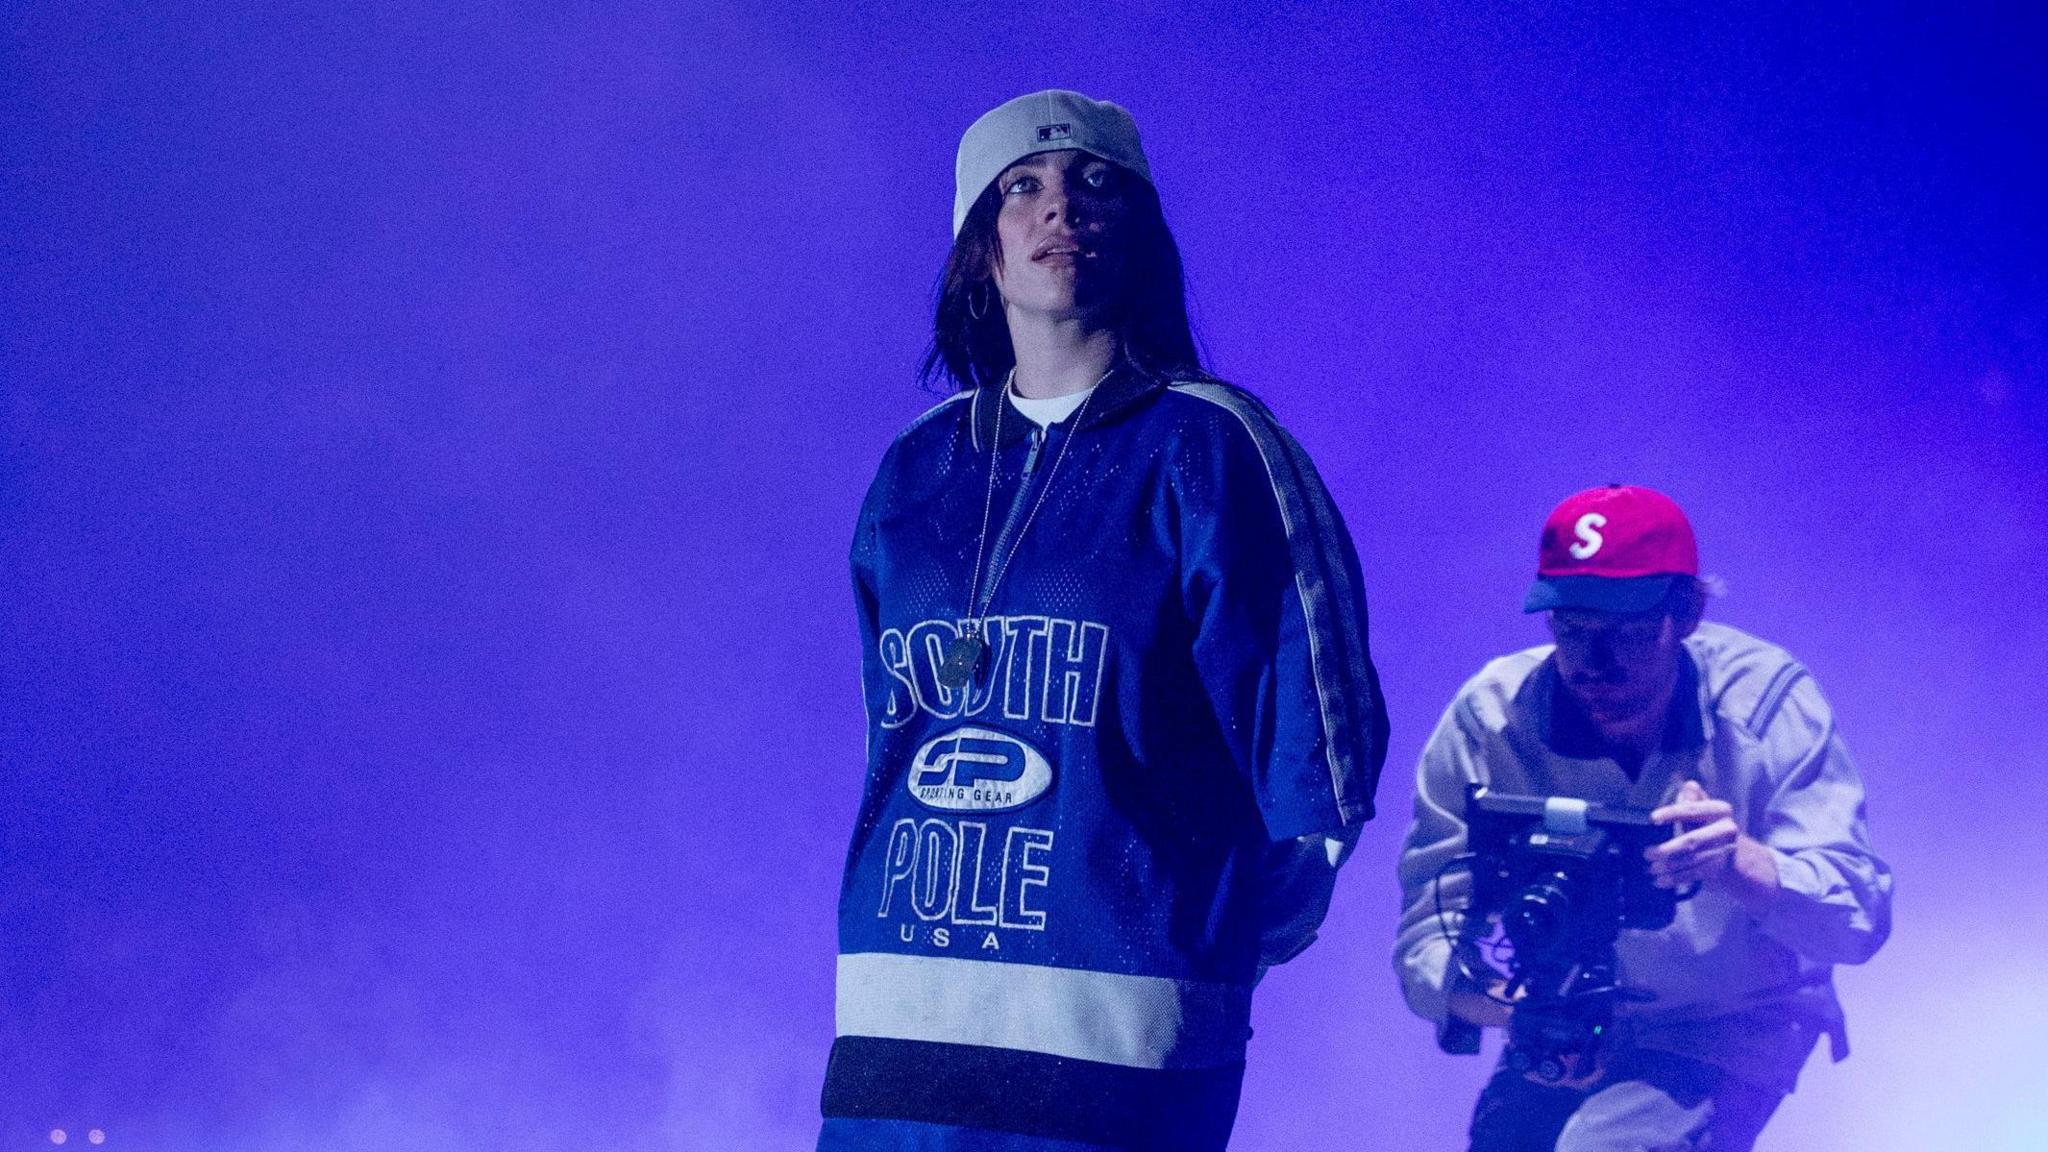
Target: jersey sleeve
column 1272, row 587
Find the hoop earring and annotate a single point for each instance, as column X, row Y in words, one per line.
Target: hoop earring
column 974, row 296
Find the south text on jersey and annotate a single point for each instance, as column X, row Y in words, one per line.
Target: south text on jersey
column 1041, row 668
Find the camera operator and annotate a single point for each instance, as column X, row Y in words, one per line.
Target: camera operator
column 1639, row 704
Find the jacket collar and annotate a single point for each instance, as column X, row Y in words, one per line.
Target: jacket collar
column 1125, row 386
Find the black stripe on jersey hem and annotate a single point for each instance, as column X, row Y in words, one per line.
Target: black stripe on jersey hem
column 1032, row 1094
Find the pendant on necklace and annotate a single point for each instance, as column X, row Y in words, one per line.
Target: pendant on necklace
column 963, row 657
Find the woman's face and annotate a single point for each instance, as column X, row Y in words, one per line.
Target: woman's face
column 1059, row 232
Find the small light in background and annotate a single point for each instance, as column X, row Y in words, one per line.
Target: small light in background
column 96, row 1136
column 57, row 1136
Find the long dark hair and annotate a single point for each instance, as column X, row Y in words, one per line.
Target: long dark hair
column 1149, row 313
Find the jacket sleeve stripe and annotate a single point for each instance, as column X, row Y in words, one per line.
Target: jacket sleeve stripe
column 1331, row 601
column 1773, row 698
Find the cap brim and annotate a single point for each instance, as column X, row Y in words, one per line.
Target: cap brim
column 1597, row 593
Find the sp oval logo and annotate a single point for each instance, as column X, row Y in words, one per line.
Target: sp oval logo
column 978, row 770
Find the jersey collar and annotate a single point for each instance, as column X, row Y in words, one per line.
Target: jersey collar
column 1126, row 385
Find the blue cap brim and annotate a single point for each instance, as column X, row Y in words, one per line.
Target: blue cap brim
column 1597, row 593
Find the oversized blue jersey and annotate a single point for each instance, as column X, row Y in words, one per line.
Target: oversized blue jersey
column 1053, row 904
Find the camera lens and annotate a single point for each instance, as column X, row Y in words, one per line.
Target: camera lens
column 1535, row 919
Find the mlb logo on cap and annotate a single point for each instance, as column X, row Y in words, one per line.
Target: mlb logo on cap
column 1612, row 549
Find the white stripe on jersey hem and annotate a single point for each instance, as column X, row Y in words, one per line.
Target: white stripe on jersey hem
column 1222, row 399
column 1106, row 1017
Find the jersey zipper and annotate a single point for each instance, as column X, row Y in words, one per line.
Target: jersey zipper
column 1036, row 444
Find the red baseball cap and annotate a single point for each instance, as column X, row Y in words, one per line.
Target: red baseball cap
column 1612, row 549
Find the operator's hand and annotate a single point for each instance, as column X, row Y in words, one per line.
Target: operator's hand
column 1488, row 1008
column 1710, row 849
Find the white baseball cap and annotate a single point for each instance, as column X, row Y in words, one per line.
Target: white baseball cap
column 1050, row 121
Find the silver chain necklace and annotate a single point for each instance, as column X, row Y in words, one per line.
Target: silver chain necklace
column 967, row 651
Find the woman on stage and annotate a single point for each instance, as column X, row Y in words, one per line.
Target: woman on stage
column 1123, row 722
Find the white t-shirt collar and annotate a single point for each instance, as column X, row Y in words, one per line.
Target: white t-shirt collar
column 1050, row 411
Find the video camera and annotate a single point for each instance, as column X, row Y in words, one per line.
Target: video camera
column 1562, row 877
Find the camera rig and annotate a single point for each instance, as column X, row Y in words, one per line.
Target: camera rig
column 1561, row 877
